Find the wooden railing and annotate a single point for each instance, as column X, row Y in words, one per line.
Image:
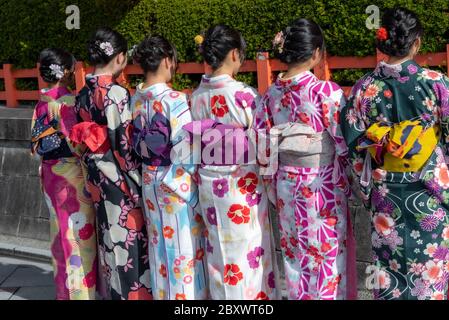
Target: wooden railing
column 263, row 66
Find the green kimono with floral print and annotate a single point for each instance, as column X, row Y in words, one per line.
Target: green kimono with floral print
column 409, row 210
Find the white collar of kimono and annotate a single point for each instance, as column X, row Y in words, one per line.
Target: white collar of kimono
column 219, row 78
column 296, row 77
column 394, row 66
column 155, row 88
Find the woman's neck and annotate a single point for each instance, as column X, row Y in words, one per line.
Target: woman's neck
column 152, row 79
column 397, row 60
column 221, row 71
column 100, row 70
column 295, row 70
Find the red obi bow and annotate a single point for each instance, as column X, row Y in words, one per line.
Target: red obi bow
column 93, row 135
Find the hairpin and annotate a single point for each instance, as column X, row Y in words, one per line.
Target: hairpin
column 131, row 51
column 57, row 71
column 106, row 47
column 279, row 41
column 199, row 39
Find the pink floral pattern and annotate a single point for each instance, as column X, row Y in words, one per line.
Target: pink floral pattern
column 312, row 202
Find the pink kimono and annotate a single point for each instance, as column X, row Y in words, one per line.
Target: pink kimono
column 311, row 201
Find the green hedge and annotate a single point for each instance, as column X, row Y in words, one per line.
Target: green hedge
column 27, row 26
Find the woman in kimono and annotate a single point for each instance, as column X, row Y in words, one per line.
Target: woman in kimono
column 113, row 179
column 396, row 127
column 175, row 228
column 72, row 216
column 309, row 187
column 239, row 250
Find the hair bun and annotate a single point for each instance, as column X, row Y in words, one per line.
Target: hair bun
column 403, row 27
column 299, row 41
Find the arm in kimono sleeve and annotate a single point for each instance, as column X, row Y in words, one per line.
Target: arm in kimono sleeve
column 336, row 101
column 120, row 129
column 443, row 95
column 353, row 128
column 180, row 175
column 263, row 122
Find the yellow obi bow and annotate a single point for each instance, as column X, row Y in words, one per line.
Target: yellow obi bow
column 400, row 147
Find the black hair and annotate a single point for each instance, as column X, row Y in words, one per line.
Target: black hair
column 105, row 45
column 53, row 62
column 218, row 41
column 150, row 52
column 301, row 39
column 403, row 28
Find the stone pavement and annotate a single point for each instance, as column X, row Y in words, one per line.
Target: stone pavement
column 24, row 279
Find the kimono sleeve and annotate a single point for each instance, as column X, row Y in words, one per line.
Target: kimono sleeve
column 119, row 123
column 443, row 96
column 353, row 128
column 332, row 106
column 179, row 176
column 263, row 122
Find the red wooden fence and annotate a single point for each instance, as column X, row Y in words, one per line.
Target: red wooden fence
column 263, row 66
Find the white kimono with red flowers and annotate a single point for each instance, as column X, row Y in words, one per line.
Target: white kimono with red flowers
column 234, row 204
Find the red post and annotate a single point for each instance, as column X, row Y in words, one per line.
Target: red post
column 264, row 73
column 10, row 87
column 80, row 76
column 447, row 59
column 322, row 70
column 207, row 68
column 381, row 56
column 41, row 83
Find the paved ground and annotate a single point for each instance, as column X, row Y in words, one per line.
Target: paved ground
column 25, row 280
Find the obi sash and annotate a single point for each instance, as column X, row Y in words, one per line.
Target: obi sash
column 220, row 144
column 153, row 141
column 93, row 135
column 301, row 146
column 48, row 141
column 401, row 147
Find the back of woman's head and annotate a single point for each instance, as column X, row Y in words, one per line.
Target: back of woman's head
column 53, row 62
column 151, row 51
column 400, row 29
column 104, row 45
column 218, row 42
column 298, row 41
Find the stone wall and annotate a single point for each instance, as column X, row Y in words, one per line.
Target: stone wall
column 23, row 213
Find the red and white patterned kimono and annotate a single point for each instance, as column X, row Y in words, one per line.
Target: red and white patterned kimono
column 311, row 201
column 234, row 204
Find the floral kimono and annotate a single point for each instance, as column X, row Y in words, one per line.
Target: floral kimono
column 396, row 127
column 175, row 228
column 311, row 197
column 113, row 180
column 72, row 216
column 234, row 204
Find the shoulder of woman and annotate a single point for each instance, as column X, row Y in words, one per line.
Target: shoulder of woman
column 326, row 89
column 118, row 92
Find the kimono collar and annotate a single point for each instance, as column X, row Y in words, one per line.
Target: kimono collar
column 100, row 80
column 300, row 80
column 216, row 82
column 54, row 93
column 152, row 91
column 401, row 72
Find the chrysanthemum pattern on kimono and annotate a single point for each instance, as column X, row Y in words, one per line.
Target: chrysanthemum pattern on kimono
column 409, row 210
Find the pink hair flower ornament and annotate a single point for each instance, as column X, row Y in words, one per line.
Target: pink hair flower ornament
column 278, row 41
